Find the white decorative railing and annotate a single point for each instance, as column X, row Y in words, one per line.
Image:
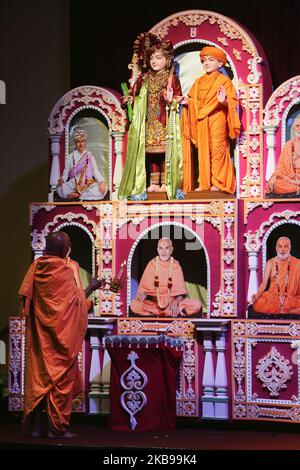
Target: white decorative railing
column 214, row 379
column 99, row 376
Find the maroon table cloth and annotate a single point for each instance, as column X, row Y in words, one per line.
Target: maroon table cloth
column 145, row 384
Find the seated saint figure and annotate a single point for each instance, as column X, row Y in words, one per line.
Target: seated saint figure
column 81, row 178
column 283, row 271
column 286, row 177
column 162, row 290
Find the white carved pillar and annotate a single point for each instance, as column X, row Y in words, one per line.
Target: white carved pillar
column 214, row 398
column 208, row 380
column 99, row 378
column 252, row 246
column 55, row 167
column 253, row 281
column 118, row 170
column 105, row 384
column 270, row 141
column 221, row 399
column 95, row 374
column 2, row 352
column 2, row 92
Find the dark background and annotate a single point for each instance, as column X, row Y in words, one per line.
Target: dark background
column 102, row 34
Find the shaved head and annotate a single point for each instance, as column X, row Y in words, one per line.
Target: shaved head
column 58, row 244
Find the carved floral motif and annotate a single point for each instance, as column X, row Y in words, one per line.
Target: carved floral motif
column 273, row 370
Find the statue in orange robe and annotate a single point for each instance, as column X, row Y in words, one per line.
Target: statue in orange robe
column 283, row 272
column 208, row 122
column 162, row 290
column 286, row 177
column 55, row 307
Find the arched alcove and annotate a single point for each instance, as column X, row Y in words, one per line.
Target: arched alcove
column 94, row 103
column 82, row 250
column 189, row 251
column 283, row 229
column 248, row 67
column 98, row 141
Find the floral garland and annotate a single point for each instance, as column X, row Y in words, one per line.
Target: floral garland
column 284, row 295
column 156, row 283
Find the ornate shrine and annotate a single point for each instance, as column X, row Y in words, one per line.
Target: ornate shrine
column 222, row 244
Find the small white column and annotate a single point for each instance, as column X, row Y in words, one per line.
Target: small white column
column 208, row 381
column 99, row 378
column 55, row 167
column 118, row 170
column 2, row 352
column 221, row 399
column 95, row 374
column 2, row 92
column 271, row 143
column 253, row 280
column 105, row 384
column 212, row 332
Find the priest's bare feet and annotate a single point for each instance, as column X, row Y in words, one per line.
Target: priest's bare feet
column 214, row 188
column 163, row 188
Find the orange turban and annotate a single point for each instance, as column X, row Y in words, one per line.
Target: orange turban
column 213, row 52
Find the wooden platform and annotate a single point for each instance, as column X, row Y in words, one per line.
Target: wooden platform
column 208, row 195
column 157, row 196
column 192, row 195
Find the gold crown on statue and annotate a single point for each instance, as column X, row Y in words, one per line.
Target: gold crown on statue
column 144, row 46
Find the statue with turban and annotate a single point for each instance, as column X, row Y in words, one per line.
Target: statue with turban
column 81, row 178
column 209, row 122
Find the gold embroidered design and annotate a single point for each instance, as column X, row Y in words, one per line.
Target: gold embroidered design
column 155, row 130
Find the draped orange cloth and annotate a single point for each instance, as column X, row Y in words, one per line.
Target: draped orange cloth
column 208, row 125
column 150, row 305
column 55, row 308
column 289, row 286
column 285, row 172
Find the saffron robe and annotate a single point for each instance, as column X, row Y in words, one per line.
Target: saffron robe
column 147, row 289
column 269, row 301
column 285, row 171
column 208, row 125
column 55, row 309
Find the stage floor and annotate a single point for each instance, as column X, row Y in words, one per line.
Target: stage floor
column 204, row 436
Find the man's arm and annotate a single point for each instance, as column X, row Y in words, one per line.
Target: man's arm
column 264, row 283
column 93, row 285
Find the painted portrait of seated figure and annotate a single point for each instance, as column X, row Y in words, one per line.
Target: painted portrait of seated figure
column 285, row 181
column 83, row 178
column 278, row 295
column 162, row 291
